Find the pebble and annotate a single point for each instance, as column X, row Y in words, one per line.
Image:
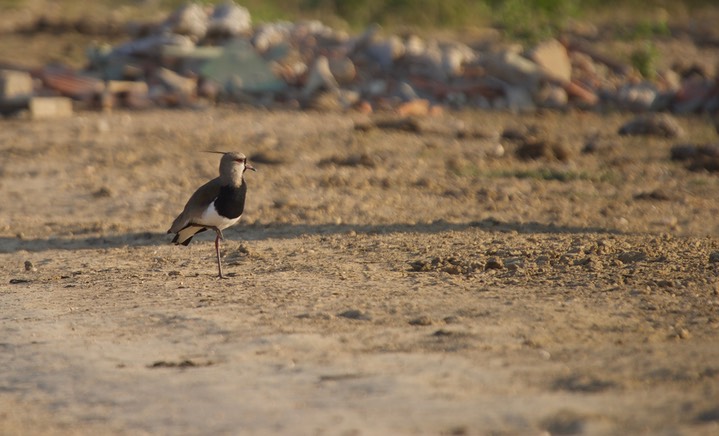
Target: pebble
column 29, row 266
column 682, row 333
column 355, row 314
column 600, row 146
column 537, row 148
column 632, row 256
column 639, row 97
column 493, row 263
column 422, row 320
column 663, row 125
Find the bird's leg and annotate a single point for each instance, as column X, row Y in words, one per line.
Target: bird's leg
column 217, row 250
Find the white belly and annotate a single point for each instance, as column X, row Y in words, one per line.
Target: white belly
column 211, row 218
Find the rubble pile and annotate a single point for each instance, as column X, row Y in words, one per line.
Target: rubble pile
column 200, row 55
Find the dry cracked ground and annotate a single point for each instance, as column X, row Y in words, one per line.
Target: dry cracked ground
column 382, row 281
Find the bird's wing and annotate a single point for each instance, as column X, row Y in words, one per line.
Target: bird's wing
column 196, row 205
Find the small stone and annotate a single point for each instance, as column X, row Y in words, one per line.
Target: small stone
column 657, row 195
column 453, row 270
column 533, row 149
column 709, row 415
column 493, row 263
column 417, row 108
column 714, row 257
column 452, row 319
column 655, row 124
column 690, row 151
column 553, row 97
column 406, row 92
column 423, row 320
column 355, row 314
column 29, row 266
column 443, row 332
column 600, row 146
column 565, row 422
column 103, row 192
column 637, row 97
column 343, row 70
column 632, row 256
column 682, row 333
column 538, row 148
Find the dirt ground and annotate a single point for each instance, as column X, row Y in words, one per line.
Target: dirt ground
column 381, row 282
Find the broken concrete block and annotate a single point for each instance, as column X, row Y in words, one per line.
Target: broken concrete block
column 552, row 57
column 42, row 108
column 240, row 68
column 514, row 69
column 15, row 85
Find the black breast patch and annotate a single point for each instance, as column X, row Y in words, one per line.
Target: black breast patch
column 231, row 201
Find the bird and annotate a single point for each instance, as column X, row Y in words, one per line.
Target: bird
column 216, row 205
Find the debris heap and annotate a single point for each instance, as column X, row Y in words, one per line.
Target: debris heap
column 201, row 55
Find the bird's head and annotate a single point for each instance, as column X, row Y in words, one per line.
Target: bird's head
column 233, row 165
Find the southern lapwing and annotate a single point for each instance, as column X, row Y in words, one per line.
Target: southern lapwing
column 216, row 205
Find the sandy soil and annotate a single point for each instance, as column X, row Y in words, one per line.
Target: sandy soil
column 381, row 282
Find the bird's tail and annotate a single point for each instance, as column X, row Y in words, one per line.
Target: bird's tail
column 184, row 236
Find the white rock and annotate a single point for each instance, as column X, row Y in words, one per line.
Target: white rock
column 190, row 20
column 343, row 69
column 639, row 97
column 270, row 35
column 513, row 69
column 414, row 45
column 452, row 61
column 386, row 51
column 406, row 92
column 552, row 96
column 229, row 19
column 320, row 77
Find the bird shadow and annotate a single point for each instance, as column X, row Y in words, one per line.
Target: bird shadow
column 258, row 232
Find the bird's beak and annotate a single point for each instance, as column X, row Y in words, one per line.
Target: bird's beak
column 249, row 167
